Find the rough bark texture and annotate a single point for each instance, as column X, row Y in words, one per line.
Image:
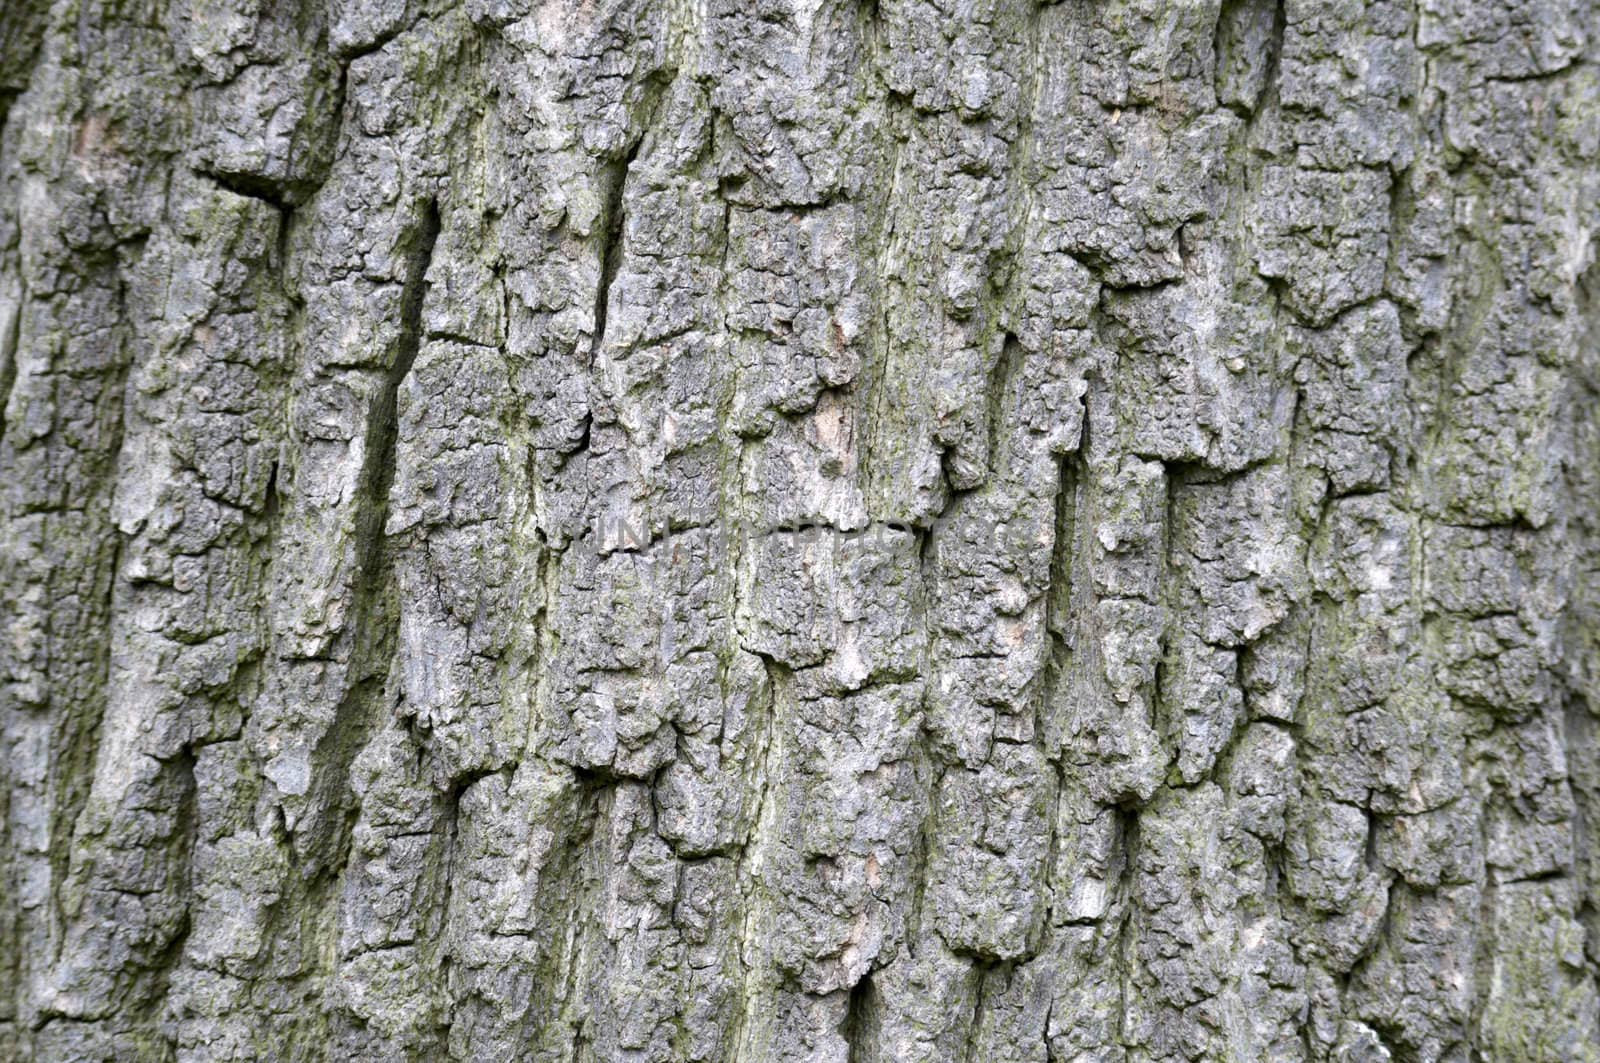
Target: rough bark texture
column 800, row 530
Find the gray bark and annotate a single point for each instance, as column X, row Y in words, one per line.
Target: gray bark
column 800, row 530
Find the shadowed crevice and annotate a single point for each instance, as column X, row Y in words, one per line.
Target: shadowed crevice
column 375, row 616
column 383, row 427
column 611, row 244
column 860, row 1020
column 1246, row 49
column 9, row 345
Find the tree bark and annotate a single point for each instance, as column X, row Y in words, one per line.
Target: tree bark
column 819, row 530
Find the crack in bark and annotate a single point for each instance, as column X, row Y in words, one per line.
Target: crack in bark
column 373, row 624
column 10, row 347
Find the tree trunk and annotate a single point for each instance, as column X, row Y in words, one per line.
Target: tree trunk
column 830, row 530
